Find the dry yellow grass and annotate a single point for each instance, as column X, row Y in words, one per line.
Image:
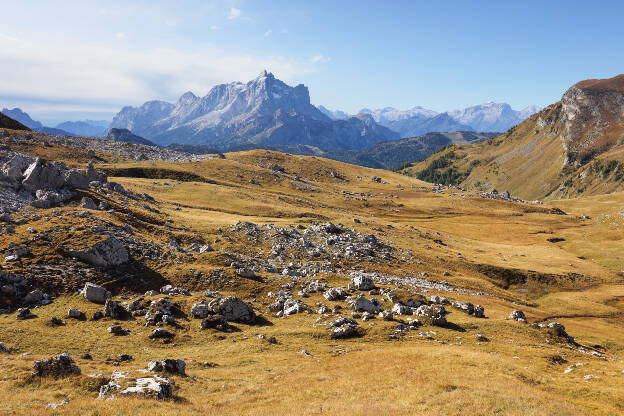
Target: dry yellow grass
column 374, row 374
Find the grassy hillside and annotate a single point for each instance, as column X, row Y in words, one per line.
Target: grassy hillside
column 571, row 148
column 499, row 254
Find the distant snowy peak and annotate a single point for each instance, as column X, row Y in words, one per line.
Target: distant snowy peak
column 492, row 116
column 333, row 114
column 529, row 111
column 389, row 114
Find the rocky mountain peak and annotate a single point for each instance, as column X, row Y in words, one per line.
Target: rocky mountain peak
column 593, row 115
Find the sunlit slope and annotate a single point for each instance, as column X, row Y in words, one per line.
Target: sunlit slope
column 571, row 148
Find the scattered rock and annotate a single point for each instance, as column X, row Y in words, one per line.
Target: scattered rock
column 88, row 203
column 95, row 294
column 75, row 313
column 161, row 333
column 361, row 282
column 59, row 365
column 57, row 405
column 335, row 294
column 168, row 366
column 235, row 310
column 117, row 330
column 106, row 253
column 24, row 313
column 518, row 316
column 122, row 384
column 214, row 322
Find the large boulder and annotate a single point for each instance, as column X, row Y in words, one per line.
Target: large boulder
column 293, row 306
column 95, row 294
column 335, row 293
column 361, row 304
column 122, row 384
column 94, row 175
column 114, row 310
column 236, row 310
column 59, row 365
column 343, row 328
column 167, row 365
column 51, row 198
column 361, row 282
column 200, row 310
column 43, row 175
column 106, row 253
column 74, row 179
column 434, row 314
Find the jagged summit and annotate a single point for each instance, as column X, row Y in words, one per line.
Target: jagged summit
column 262, row 112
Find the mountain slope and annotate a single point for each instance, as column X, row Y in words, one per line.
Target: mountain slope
column 9, row 123
column 572, row 147
column 394, row 153
column 262, row 112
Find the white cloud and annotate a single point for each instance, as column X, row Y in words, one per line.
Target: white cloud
column 214, row 27
column 234, row 13
column 268, row 33
column 320, row 58
column 94, row 75
column 121, row 35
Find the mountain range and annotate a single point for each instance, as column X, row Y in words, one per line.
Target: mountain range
column 570, row 148
column 262, row 112
column 487, row 117
column 267, row 113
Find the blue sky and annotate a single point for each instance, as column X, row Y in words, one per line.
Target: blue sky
column 71, row 60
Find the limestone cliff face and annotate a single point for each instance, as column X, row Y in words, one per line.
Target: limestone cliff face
column 593, row 113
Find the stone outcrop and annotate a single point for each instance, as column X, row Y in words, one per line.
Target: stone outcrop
column 95, row 294
column 123, row 384
column 105, row 253
column 59, row 365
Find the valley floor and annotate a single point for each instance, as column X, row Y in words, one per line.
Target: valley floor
column 502, row 255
